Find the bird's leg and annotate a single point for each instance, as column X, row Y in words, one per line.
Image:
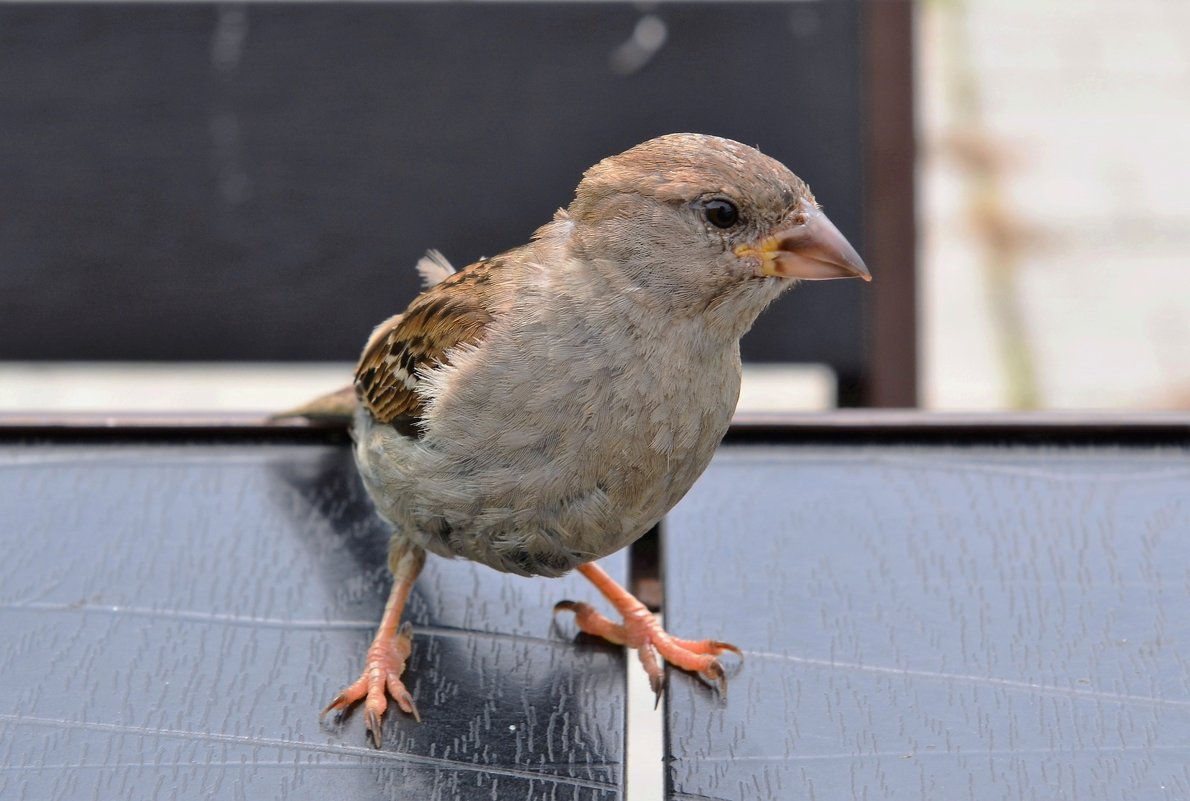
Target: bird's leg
column 389, row 650
column 641, row 632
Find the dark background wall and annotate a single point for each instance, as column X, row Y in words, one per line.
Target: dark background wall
column 199, row 181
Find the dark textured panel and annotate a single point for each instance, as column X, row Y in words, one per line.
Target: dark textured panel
column 193, row 181
column 980, row 623
column 173, row 618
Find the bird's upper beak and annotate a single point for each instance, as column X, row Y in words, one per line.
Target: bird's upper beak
column 812, row 249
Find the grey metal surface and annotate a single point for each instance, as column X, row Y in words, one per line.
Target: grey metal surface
column 935, row 623
column 174, row 616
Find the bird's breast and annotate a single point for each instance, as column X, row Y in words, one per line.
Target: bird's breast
column 551, row 445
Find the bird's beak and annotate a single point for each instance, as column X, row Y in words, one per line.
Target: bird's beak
column 813, row 250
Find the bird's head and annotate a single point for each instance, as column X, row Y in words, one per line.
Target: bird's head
column 708, row 222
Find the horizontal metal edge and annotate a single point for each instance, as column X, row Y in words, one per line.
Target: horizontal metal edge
column 842, row 427
column 850, row 426
column 215, row 426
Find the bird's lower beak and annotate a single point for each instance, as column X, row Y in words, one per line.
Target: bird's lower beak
column 812, row 250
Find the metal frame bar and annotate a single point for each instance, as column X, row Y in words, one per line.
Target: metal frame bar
column 839, row 427
column 890, row 229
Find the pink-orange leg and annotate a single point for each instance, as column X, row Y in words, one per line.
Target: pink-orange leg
column 388, row 653
column 641, row 631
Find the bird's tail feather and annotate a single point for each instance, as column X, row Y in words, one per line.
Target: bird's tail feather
column 336, row 407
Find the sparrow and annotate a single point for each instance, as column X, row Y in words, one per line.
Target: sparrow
column 545, row 407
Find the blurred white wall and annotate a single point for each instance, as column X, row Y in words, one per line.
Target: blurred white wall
column 197, row 387
column 1055, row 175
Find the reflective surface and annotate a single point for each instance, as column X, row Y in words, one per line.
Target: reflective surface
column 983, row 623
column 174, row 617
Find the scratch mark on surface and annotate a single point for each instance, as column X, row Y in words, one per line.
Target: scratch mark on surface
column 363, row 753
column 939, row 460
column 988, row 681
column 249, row 621
column 1081, row 476
column 189, row 765
column 942, row 752
column 137, row 457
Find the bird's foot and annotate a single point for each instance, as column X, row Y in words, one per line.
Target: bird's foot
column 382, row 672
column 642, row 632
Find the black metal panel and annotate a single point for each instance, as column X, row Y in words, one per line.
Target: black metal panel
column 935, row 622
column 173, row 616
column 200, row 181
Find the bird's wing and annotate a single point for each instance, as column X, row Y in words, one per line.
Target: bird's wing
column 451, row 313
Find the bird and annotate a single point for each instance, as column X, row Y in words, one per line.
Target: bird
column 545, row 407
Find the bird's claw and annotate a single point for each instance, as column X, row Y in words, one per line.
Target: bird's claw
column 655, row 647
column 726, row 646
column 381, row 675
column 715, row 675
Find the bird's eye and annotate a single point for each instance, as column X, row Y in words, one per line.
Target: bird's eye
column 721, row 213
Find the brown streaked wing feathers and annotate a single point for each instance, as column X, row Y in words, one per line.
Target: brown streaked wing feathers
column 449, row 314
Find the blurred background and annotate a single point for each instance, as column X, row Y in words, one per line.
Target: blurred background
column 208, row 206
column 1054, row 215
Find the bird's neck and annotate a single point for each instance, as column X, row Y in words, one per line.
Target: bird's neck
column 653, row 287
